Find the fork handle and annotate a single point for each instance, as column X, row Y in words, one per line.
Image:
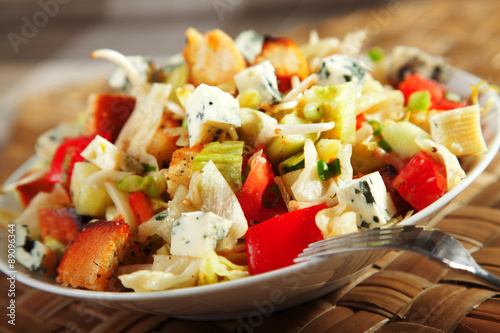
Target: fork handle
column 490, row 279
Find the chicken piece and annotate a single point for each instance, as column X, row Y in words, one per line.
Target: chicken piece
column 287, row 59
column 180, row 171
column 92, row 259
column 212, row 58
column 107, row 113
column 162, row 145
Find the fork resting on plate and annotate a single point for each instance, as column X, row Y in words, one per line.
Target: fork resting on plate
column 429, row 242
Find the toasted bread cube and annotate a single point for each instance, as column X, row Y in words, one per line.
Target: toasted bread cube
column 287, row 59
column 61, row 224
column 162, row 145
column 90, row 262
column 107, row 113
column 179, row 171
column 212, row 58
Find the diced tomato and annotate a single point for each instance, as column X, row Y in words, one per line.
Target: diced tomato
column 141, row 206
column 274, row 243
column 421, row 181
column 67, row 154
column 61, row 224
column 260, row 198
column 28, row 191
column 388, row 174
column 417, row 82
column 109, row 114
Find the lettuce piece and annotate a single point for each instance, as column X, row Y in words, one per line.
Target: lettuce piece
column 214, row 269
column 339, row 105
column 210, row 192
column 170, row 272
column 147, row 281
column 138, row 132
column 308, row 187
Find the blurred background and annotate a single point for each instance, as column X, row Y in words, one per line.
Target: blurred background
column 46, row 44
column 35, row 30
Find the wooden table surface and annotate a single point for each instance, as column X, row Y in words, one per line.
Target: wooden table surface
column 467, row 33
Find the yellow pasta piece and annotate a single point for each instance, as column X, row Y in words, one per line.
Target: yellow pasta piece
column 459, row 130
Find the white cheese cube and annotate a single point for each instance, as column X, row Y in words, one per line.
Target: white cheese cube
column 368, row 198
column 261, row 77
column 340, row 68
column 104, row 154
column 249, row 43
column 207, row 109
column 195, row 233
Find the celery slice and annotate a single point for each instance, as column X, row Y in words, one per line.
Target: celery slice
column 419, row 101
column 152, row 186
column 227, row 157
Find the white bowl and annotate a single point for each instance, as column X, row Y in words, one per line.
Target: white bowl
column 258, row 296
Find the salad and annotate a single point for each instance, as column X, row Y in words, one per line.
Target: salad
column 227, row 160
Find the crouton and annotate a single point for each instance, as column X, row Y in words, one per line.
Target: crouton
column 212, row 58
column 179, row 171
column 162, row 144
column 287, row 59
column 61, row 224
column 107, row 113
column 91, row 261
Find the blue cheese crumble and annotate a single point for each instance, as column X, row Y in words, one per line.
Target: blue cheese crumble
column 340, row 68
column 368, row 198
column 261, row 77
column 209, row 108
column 195, row 233
column 249, row 43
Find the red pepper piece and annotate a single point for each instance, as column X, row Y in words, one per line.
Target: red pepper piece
column 421, row 181
column 274, row 243
column 67, row 154
column 360, row 119
column 141, row 206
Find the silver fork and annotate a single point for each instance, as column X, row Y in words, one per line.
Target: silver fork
column 429, row 242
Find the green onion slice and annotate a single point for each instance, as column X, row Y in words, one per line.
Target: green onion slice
column 377, row 127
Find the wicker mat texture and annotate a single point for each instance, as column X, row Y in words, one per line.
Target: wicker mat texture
column 402, row 292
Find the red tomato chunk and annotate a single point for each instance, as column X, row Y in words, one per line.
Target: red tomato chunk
column 421, row 181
